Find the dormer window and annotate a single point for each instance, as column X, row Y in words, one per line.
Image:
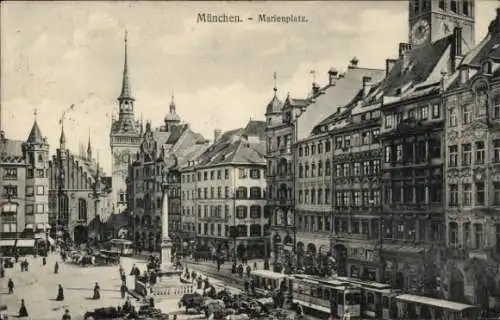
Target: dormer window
column 487, row 67
column 442, row 4
column 464, row 75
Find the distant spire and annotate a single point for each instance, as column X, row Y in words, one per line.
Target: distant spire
column 35, row 135
column 172, row 104
column 125, row 94
column 62, row 138
column 275, row 88
column 89, row 149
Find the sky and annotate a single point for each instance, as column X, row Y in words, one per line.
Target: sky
column 55, row 54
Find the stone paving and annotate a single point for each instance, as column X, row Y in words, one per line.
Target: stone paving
column 38, row 288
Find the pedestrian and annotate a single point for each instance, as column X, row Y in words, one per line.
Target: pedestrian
column 10, row 285
column 97, row 294
column 44, row 261
column 56, row 268
column 2, row 271
column 27, row 264
column 255, row 265
column 123, row 290
column 248, row 271
column 23, row 312
column 66, row 315
column 60, row 293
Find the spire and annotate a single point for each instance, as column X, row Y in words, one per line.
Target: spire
column 125, row 94
column 275, row 88
column 172, row 104
column 35, row 135
column 89, row 150
column 62, row 139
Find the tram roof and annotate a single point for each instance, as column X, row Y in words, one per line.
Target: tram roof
column 268, row 274
column 366, row 284
column 438, row 303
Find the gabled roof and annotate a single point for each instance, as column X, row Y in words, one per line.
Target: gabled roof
column 334, row 96
column 35, row 135
column 415, row 67
column 490, row 49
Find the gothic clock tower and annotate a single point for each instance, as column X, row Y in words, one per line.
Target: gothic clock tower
column 431, row 20
column 125, row 137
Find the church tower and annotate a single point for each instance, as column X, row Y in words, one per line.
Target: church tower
column 37, row 180
column 431, row 20
column 125, row 136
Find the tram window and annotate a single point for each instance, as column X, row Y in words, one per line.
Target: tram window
column 370, row 301
column 340, row 299
column 353, row 298
column 385, row 302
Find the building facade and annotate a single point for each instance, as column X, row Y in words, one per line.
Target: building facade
column 125, row 139
column 161, row 153
column 472, row 104
column 317, row 158
column 24, row 185
column 78, row 195
column 225, row 192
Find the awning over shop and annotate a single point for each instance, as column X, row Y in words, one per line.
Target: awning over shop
column 7, row 242
column 47, row 226
column 25, row 243
column 29, row 226
column 40, row 226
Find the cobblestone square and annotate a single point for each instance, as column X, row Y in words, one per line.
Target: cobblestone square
column 38, row 288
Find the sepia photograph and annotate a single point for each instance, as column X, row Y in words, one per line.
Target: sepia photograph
column 234, row 160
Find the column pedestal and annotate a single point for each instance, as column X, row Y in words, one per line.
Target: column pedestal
column 166, row 254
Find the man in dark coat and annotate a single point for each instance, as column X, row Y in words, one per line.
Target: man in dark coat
column 10, row 285
column 66, row 315
column 56, row 268
column 123, row 290
column 97, row 293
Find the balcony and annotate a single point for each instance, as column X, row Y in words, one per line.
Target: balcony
column 214, row 219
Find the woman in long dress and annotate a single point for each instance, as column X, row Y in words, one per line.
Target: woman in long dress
column 97, row 294
column 60, row 293
column 23, row 312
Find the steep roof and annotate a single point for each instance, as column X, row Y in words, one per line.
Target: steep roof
column 35, row 135
column 415, row 67
column 334, row 96
column 11, row 151
column 255, row 128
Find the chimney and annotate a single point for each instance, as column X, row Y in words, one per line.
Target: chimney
column 389, row 63
column 315, row 88
column 367, row 85
column 217, row 134
column 456, row 50
column 332, row 76
column 353, row 63
column 494, row 26
column 404, row 48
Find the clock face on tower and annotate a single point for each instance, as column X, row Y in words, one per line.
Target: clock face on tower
column 420, row 32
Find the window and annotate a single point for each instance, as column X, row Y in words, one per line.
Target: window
column 328, row 146
column 466, row 114
column 241, row 193
column 347, row 141
column 357, row 169
column 496, row 150
column 435, row 111
column 241, row 212
column 388, row 121
column 328, row 168
column 496, row 193
column 242, row 173
column 479, row 152
column 478, row 235
column 255, row 173
column 29, row 209
column 388, row 230
column 452, row 121
column 9, row 222
column 480, row 193
column 320, row 147
column 399, row 152
column 442, row 4
column 30, row 191
column 466, row 154
column 39, row 208
column 255, row 193
column 10, row 174
column 255, row 212
column 10, row 191
column 453, row 233
column 388, row 154
column 320, row 168
column 453, row 195
column 466, row 7
column 338, row 143
column 301, row 151
column 205, row 175
column 467, row 194
column 212, row 175
column 365, row 137
column 453, row 6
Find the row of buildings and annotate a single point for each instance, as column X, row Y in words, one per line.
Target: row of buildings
column 395, row 172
